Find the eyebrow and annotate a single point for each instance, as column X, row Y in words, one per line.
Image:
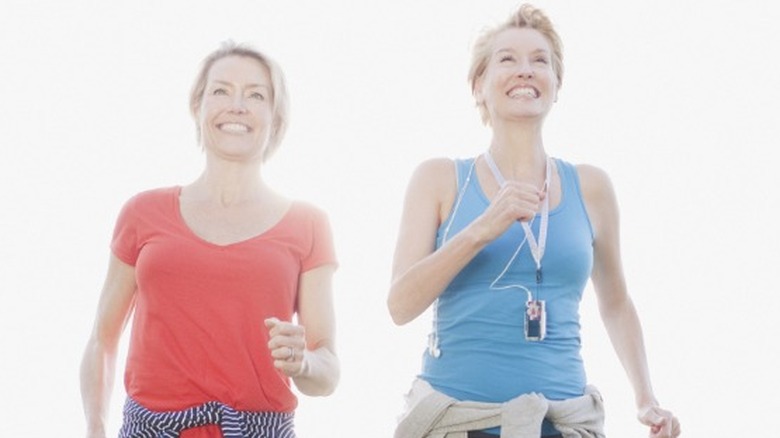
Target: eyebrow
column 535, row 51
column 219, row 81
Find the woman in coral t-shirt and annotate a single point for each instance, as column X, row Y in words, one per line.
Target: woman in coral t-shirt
column 213, row 273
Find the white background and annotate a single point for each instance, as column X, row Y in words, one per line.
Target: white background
column 678, row 101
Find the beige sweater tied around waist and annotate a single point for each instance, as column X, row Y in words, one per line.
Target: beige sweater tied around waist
column 431, row 414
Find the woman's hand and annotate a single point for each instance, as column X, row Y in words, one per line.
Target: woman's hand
column 515, row 201
column 662, row 423
column 287, row 344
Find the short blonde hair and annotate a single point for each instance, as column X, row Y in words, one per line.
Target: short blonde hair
column 279, row 96
column 526, row 16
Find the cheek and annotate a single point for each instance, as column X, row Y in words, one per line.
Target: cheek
column 486, row 88
column 203, row 113
column 265, row 116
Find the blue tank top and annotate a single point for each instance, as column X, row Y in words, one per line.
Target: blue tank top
column 484, row 355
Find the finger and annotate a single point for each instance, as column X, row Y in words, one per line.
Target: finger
column 531, row 198
column 291, row 369
column 662, row 429
column 666, row 421
column 280, row 341
column 282, row 327
column 290, row 333
column 282, row 352
column 291, row 365
column 288, row 355
column 516, row 206
column 521, row 186
column 288, row 328
column 666, row 428
column 670, row 424
column 272, row 325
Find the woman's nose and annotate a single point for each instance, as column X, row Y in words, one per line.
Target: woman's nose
column 524, row 70
column 238, row 105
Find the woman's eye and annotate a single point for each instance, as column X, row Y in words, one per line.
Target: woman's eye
column 506, row 58
column 542, row 60
column 219, row 91
column 257, row 96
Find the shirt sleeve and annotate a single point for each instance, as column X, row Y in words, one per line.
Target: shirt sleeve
column 322, row 250
column 124, row 243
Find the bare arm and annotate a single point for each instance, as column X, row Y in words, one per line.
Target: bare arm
column 99, row 361
column 420, row 273
column 314, row 365
column 615, row 305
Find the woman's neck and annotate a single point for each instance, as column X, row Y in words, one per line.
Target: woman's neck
column 229, row 183
column 519, row 153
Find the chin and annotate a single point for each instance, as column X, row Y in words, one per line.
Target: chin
column 237, row 153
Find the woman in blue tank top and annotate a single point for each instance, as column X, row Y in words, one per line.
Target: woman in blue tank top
column 502, row 246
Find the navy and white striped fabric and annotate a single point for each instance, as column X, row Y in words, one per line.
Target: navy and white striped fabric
column 140, row 422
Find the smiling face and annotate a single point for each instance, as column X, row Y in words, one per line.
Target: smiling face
column 519, row 81
column 236, row 110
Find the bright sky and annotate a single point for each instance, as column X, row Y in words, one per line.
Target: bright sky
column 677, row 101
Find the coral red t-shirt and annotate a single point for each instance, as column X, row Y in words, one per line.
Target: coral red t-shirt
column 198, row 333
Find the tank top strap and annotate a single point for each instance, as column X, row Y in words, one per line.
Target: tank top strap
column 570, row 187
column 462, row 170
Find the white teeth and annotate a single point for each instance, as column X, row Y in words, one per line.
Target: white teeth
column 523, row 92
column 234, row 127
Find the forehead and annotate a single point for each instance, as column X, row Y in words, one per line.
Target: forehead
column 239, row 69
column 521, row 39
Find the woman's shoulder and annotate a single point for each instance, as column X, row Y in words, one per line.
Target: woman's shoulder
column 596, row 185
column 306, row 207
column 435, row 173
column 148, row 205
column 439, row 165
column 157, row 193
column 153, row 196
column 303, row 212
column 591, row 178
column 433, row 187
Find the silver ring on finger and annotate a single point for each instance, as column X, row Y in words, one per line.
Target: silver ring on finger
column 291, row 356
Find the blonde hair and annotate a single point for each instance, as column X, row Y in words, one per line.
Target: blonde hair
column 526, row 16
column 279, row 96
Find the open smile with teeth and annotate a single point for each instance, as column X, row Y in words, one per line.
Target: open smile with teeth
column 238, row 128
column 524, row 91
